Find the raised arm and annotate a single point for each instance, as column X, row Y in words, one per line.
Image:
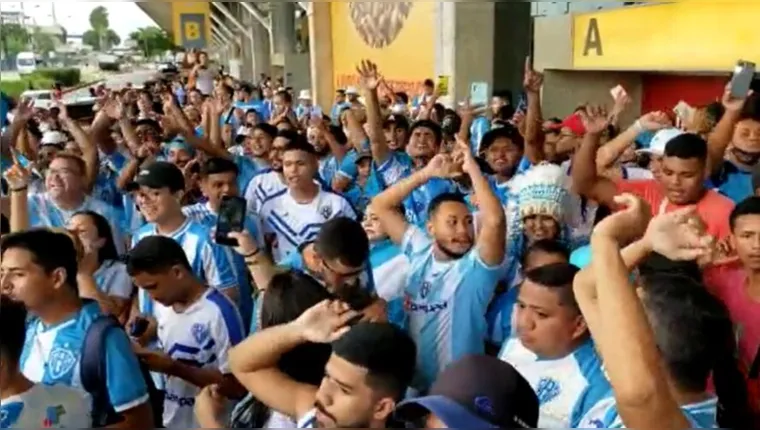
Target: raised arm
column 586, row 180
column 534, row 137
column 723, row 133
column 493, row 224
column 370, row 79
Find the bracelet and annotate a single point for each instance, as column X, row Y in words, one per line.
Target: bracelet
column 251, row 255
column 20, row 189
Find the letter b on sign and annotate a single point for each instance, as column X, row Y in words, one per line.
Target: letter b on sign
column 193, row 30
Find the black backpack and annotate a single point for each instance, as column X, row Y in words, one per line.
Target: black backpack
column 93, row 375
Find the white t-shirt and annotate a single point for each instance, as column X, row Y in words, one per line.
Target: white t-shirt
column 205, row 81
column 293, row 224
column 46, row 406
column 201, row 336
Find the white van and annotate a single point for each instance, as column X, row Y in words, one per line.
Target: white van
column 26, row 62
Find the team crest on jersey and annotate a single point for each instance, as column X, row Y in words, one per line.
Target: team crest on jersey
column 425, row 290
column 10, row 413
column 61, row 362
column 53, row 416
column 326, row 212
column 200, row 333
column 547, row 390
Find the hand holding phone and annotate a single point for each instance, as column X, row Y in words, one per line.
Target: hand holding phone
column 231, row 218
column 742, row 79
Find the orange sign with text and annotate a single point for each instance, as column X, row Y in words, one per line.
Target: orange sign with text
column 398, row 36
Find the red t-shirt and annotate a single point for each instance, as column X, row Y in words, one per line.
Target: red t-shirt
column 728, row 282
column 713, row 208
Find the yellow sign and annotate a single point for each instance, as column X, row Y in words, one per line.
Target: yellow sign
column 397, row 35
column 684, row 36
column 191, row 22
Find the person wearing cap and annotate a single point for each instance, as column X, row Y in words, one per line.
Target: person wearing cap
column 474, row 392
column 680, row 184
column 735, row 148
column 293, row 218
column 158, row 189
column 352, row 98
column 365, row 186
column 366, row 376
column 655, row 148
column 199, row 325
column 306, row 108
column 551, row 346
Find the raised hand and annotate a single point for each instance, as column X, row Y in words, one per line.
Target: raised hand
column 17, row 176
column 326, row 322
column 443, row 166
column 628, row 224
column 733, row 104
column 532, row 80
column 595, row 119
column 63, row 111
column 370, row 78
column 654, row 121
column 676, row 236
column 24, row 110
column 246, row 244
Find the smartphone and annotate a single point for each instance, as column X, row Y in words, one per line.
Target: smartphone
column 682, row 110
column 138, row 327
column 742, row 79
column 618, row 92
column 231, row 218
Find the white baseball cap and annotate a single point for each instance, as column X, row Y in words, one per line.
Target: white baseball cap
column 660, row 140
column 352, row 91
column 53, row 138
column 304, row 95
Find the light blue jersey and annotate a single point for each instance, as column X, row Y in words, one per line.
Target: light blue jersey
column 112, row 279
column 567, row 388
column 43, row 212
column 702, row 415
column 105, row 188
column 446, row 303
column 52, row 355
column 209, row 261
column 204, row 215
column 390, row 268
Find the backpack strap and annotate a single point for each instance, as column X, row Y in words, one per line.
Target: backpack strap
column 93, row 368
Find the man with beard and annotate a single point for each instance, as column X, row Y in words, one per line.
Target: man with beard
column 449, row 269
column 365, row 378
column 329, row 143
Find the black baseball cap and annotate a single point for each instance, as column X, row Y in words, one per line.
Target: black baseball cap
column 477, row 391
column 159, row 174
column 362, row 155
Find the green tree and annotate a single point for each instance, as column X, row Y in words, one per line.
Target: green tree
column 100, row 37
column 14, row 39
column 152, row 41
column 104, row 43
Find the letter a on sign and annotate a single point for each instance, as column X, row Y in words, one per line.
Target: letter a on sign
column 593, row 39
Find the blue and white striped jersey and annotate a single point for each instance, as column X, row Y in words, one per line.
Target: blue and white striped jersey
column 204, row 215
column 209, row 261
column 567, row 388
column 43, row 212
column 292, row 224
column 263, row 187
column 390, row 268
column 52, row 355
column 446, row 304
column 200, row 336
column 702, row 415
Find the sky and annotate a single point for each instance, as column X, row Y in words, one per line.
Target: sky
column 124, row 16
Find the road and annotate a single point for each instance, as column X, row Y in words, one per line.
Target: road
column 117, row 81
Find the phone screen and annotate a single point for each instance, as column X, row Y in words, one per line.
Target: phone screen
column 231, row 219
column 742, row 80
